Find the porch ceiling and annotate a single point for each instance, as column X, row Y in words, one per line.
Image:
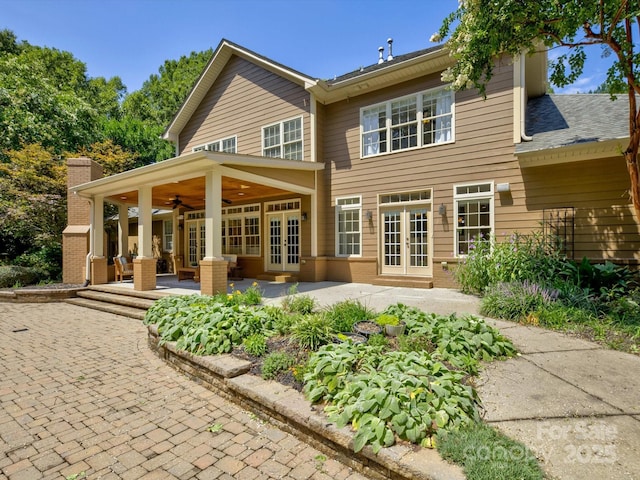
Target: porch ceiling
column 192, row 192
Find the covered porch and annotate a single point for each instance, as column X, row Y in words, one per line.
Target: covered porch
column 260, row 211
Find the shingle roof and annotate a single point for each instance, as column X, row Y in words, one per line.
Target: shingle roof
column 561, row 120
column 377, row 66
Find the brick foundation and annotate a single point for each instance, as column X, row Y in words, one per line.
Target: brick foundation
column 99, row 271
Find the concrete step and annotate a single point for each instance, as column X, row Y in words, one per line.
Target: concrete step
column 403, row 281
column 277, row 277
column 115, row 288
column 123, row 310
column 117, row 298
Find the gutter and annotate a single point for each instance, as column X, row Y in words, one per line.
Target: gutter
column 87, row 265
column 523, row 100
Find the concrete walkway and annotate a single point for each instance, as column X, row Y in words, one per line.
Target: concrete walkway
column 80, row 391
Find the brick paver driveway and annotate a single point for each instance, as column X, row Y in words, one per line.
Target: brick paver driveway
column 82, row 396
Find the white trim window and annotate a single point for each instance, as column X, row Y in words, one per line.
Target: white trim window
column 241, row 230
column 349, row 226
column 226, row 145
column 283, row 139
column 474, row 214
column 167, row 235
column 415, row 121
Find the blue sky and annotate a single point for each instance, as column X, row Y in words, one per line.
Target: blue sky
column 321, row 38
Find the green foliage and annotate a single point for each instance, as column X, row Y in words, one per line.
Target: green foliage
column 517, row 257
column 378, row 340
column 515, row 300
column 311, row 331
column 298, row 303
column 163, row 93
column 387, row 319
column 204, row 326
column 485, row 29
column 415, row 343
column 15, row 276
column 461, row 341
column 343, row 315
column 255, row 344
column 276, row 363
column 33, row 204
column 382, row 395
column 486, row 454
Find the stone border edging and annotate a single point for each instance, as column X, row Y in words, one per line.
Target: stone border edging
column 38, row 295
column 290, row 411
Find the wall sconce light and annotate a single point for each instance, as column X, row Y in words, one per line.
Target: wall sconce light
column 503, row 187
column 369, row 215
column 442, row 209
column 304, row 216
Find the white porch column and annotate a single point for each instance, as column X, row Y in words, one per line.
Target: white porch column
column 145, row 233
column 98, row 225
column 213, row 214
column 123, row 230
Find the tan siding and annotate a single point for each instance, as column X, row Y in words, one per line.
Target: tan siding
column 244, row 99
column 483, row 150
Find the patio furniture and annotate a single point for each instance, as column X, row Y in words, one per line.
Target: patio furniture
column 189, row 273
column 122, row 268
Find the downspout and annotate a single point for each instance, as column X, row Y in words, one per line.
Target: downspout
column 523, row 100
column 87, row 265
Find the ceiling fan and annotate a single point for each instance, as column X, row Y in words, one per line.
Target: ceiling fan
column 177, row 203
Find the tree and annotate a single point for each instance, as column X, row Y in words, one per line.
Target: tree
column 162, row 94
column 33, row 194
column 486, row 29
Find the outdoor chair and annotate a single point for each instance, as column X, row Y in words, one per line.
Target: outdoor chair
column 122, row 268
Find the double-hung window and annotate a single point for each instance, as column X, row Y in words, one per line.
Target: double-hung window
column 227, row 145
column 474, row 214
column 241, row 230
column 348, row 226
column 414, row 121
column 283, row 139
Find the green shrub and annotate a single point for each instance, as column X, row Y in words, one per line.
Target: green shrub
column 255, row 344
column 276, row 363
column 302, row 304
column 515, row 300
column 516, row 258
column 559, row 316
column 387, row 319
column 16, row 276
column 47, row 261
column 415, row 343
column 379, row 340
column 345, row 314
column 408, row 394
column 311, row 331
column 202, row 325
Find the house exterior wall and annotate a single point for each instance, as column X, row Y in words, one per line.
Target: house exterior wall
column 483, row 151
column 245, row 98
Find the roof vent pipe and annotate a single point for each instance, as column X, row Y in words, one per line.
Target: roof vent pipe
column 390, row 42
column 380, row 51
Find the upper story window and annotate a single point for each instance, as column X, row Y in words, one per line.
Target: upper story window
column 474, row 210
column 409, row 122
column 227, row 145
column 283, row 139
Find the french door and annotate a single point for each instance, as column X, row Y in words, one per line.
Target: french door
column 405, row 241
column 283, row 241
column 195, row 241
